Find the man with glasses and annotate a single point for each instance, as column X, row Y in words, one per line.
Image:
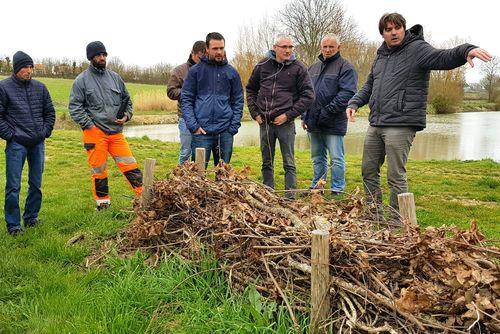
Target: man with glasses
column 174, row 87
column 278, row 91
column 212, row 102
column 100, row 104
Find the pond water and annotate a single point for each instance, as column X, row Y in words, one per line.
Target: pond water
column 462, row 136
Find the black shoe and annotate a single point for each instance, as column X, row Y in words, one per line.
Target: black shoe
column 31, row 223
column 15, row 232
column 103, row 206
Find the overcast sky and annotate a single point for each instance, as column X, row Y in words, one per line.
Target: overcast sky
column 148, row 32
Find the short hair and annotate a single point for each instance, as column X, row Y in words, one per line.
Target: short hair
column 332, row 36
column 199, row 46
column 213, row 35
column 395, row 18
column 279, row 37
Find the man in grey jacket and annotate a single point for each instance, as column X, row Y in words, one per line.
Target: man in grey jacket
column 100, row 104
column 174, row 88
column 396, row 91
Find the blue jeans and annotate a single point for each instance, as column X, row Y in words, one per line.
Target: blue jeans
column 221, row 145
column 321, row 144
column 15, row 156
column 185, row 138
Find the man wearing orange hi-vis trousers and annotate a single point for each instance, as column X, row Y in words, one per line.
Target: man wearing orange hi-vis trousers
column 100, row 104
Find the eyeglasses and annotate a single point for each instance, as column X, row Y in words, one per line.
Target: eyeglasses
column 290, row 47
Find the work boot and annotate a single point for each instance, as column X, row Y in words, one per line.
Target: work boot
column 103, row 206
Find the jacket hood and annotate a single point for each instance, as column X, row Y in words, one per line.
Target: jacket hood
column 211, row 62
column 272, row 54
column 414, row 33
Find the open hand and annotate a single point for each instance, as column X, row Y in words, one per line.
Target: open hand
column 478, row 53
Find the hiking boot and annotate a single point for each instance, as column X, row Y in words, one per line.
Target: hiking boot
column 103, row 206
column 16, row 232
column 31, row 223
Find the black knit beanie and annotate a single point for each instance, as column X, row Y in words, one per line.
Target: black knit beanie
column 95, row 48
column 21, row 60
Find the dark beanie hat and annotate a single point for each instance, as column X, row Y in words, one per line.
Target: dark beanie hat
column 95, row 48
column 21, row 60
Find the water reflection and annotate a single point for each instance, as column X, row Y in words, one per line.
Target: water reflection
column 463, row 136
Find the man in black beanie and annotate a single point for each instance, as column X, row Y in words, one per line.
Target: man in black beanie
column 27, row 117
column 100, row 104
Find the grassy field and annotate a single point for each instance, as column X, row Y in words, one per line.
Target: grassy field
column 45, row 287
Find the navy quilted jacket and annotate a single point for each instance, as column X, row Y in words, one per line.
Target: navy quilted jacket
column 26, row 111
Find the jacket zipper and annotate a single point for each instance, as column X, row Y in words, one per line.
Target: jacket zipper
column 29, row 106
column 380, row 88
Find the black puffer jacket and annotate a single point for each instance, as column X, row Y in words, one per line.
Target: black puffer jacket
column 279, row 88
column 398, row 83
column 26, row 111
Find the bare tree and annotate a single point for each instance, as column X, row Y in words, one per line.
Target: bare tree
column 253, row 43
column 446, row 88
column 491, row 79
column 307, row 21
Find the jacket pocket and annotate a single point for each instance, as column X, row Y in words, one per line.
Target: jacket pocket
column 115, row 96
column 93, row 100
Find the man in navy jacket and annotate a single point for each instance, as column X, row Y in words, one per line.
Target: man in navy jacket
column 212, row 102
column 334, row 80
column 27, row 117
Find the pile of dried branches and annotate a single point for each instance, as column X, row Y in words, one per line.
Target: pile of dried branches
column 407, row 281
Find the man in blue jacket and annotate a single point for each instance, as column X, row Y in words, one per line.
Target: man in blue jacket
column 27, row 117
column 396, row 91
column 334, row 80
column 212, row 102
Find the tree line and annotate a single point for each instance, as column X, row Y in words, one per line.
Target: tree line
column 157, row 74
column 306, row 21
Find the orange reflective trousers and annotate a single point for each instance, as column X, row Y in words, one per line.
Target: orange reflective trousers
column 98, row 144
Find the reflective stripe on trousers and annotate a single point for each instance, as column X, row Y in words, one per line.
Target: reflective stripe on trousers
column 98, row 145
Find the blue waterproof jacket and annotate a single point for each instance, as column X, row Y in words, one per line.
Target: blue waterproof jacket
column 335, row 81
column 26, row 111
column 212, row 98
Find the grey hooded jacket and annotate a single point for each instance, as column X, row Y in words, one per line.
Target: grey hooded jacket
column 95, row 99
column 398, row 84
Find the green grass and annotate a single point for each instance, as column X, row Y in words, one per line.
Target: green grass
column 45, row 288
column 60, row 89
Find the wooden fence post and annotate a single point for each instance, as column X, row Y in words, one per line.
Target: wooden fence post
column 320, row 281
column 147, row 182
column 407, row 208
column 200, row 159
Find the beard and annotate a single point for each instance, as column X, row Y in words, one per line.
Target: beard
column 99, row 65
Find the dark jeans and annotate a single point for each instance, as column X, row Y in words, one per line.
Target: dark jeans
column 285, row 134
column 220, row 145
column 395, row 143
column 15, row 156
